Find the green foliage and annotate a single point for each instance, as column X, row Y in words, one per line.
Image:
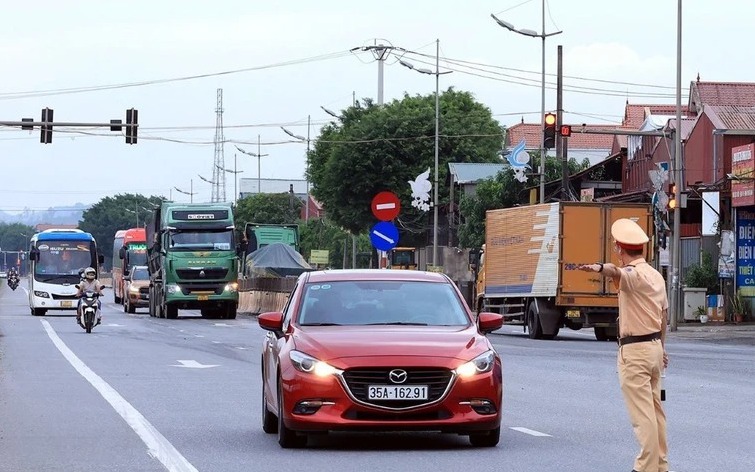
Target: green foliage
column 14, row 237
column 323, row 234
column 373, row 148
column 738, row 304
column 503, row 191
column 111, row 214
column 267, row 208
column 703, row 275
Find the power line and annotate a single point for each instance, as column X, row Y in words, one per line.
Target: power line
column 96, row 88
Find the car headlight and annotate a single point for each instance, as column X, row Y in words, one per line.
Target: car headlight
column 231, row 287
column 172, row 288
column 306, row 363
column 38, row 293
column 479, row 365
column 133, row 289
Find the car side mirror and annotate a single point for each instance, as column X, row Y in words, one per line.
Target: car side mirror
column 127, row 278
column 77, row 286
column 489, row 322
column 271, row 321
column 122, row 252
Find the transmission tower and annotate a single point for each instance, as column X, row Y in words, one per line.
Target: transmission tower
column 218, row 176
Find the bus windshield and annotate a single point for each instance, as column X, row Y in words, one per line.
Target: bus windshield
column 137, row 256
column 61, row 258
column 221, row 240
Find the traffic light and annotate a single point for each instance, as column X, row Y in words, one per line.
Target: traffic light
column 132, row 125
column 549, row 132
column 46, row 130
column 565, row 130
column 672, row 198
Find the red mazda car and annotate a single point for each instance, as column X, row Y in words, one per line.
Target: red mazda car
column 379, row 350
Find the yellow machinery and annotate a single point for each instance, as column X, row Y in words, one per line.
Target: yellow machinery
column 404, row 258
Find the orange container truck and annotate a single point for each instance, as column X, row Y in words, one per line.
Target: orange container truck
column 528, row 268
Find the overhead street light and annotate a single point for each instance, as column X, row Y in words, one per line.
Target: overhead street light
column 437, row 73
column 542, row 35
column 302, row 138
column 235, row 173
column 258, row 155
column 191, row 193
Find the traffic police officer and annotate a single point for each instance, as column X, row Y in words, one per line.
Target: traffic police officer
column 643, row 308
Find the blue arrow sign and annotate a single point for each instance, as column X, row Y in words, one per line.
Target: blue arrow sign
column 384, row 236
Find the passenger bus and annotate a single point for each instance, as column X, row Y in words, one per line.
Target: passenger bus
column 129, row 249
column 56, row 257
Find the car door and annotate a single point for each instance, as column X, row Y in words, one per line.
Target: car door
column 273, row 346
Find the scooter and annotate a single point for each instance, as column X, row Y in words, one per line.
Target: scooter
column 88, row 318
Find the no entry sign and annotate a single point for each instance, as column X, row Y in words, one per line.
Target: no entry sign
column 385, row 206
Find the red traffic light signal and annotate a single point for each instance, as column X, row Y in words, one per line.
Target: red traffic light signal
column 565, row 131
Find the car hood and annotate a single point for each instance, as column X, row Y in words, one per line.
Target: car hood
column 139, row 283
column 338, row 342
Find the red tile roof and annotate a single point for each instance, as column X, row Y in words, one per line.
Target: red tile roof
column 635, row 115
column 532, row 134
column 723, row 93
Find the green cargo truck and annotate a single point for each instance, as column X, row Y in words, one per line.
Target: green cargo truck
column 192, row 258
column 259, row 235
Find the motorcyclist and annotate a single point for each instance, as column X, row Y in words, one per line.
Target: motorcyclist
column 89, row 284
column 12, row 277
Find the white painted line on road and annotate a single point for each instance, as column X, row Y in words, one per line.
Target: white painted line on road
column 222, row 324
column 199, row 335
column 531, row 432
column 192, row 364
column 242, row 348
column 217, row 342
column 157, row 445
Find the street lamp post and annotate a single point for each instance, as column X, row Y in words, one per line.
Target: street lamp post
column 258, row 155
column 235, row 178
column 542, row 35
column 437, row 73
column 302, row 138
column 190, row 193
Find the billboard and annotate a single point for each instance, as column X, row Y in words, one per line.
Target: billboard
column 743, row 173
column 746, row 252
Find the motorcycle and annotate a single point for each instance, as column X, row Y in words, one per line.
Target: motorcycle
column 89, row 307
column 13, row 282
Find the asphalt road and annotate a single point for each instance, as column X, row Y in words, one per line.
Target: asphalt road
column 147, row 394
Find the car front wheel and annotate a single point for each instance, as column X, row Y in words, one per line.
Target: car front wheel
column 486, row 438
column 287, row 438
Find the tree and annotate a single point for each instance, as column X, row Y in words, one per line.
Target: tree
column 14, row 238
column 111, row 214
column 503, row 191
column 267, row 208
column 381, row 147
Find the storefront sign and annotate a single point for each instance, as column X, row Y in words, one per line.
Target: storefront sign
column 746, row 252
column 743, row 170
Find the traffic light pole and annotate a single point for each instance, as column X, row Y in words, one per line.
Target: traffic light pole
column 46, row 125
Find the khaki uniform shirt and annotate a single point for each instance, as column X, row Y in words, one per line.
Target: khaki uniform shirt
column 642, row 299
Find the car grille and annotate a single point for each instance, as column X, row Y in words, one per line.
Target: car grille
column 144, row 290
column 202, row 274
column 55, row 296
column 437, row 381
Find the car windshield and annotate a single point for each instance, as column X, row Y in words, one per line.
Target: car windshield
column 140, row 273
column 381, row 303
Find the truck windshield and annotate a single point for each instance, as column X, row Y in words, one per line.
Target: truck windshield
column 137, row 257
column 221, row 240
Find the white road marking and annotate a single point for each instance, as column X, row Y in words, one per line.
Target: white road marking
column 242, row 348
column 531, row 432
column 217, row 342
column 199, row 335
column 221, row 324
column 192, row 364
column 157, row 445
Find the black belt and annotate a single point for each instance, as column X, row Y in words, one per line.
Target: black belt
column 639, row 339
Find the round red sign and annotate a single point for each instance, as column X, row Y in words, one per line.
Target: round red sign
column 385, row 206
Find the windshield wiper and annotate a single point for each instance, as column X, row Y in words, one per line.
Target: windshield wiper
column 321, row 324
column 396, row 323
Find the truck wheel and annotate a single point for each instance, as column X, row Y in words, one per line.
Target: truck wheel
column 171, row 311
column 151, row 303
column 230, row 312
column 534, row 329
column 601, row 333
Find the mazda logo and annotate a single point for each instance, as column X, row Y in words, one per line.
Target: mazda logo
column 397, row 376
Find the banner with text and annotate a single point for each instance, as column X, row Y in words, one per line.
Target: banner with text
column 743, row 182
column 746, row 252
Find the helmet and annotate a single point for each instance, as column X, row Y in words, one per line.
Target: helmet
column 90, row 273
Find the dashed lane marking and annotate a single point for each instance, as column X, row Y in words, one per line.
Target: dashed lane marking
column 531, row 432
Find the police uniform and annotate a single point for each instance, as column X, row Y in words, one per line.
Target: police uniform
column 642, row 300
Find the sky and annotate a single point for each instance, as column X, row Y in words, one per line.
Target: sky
column 279, row 62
